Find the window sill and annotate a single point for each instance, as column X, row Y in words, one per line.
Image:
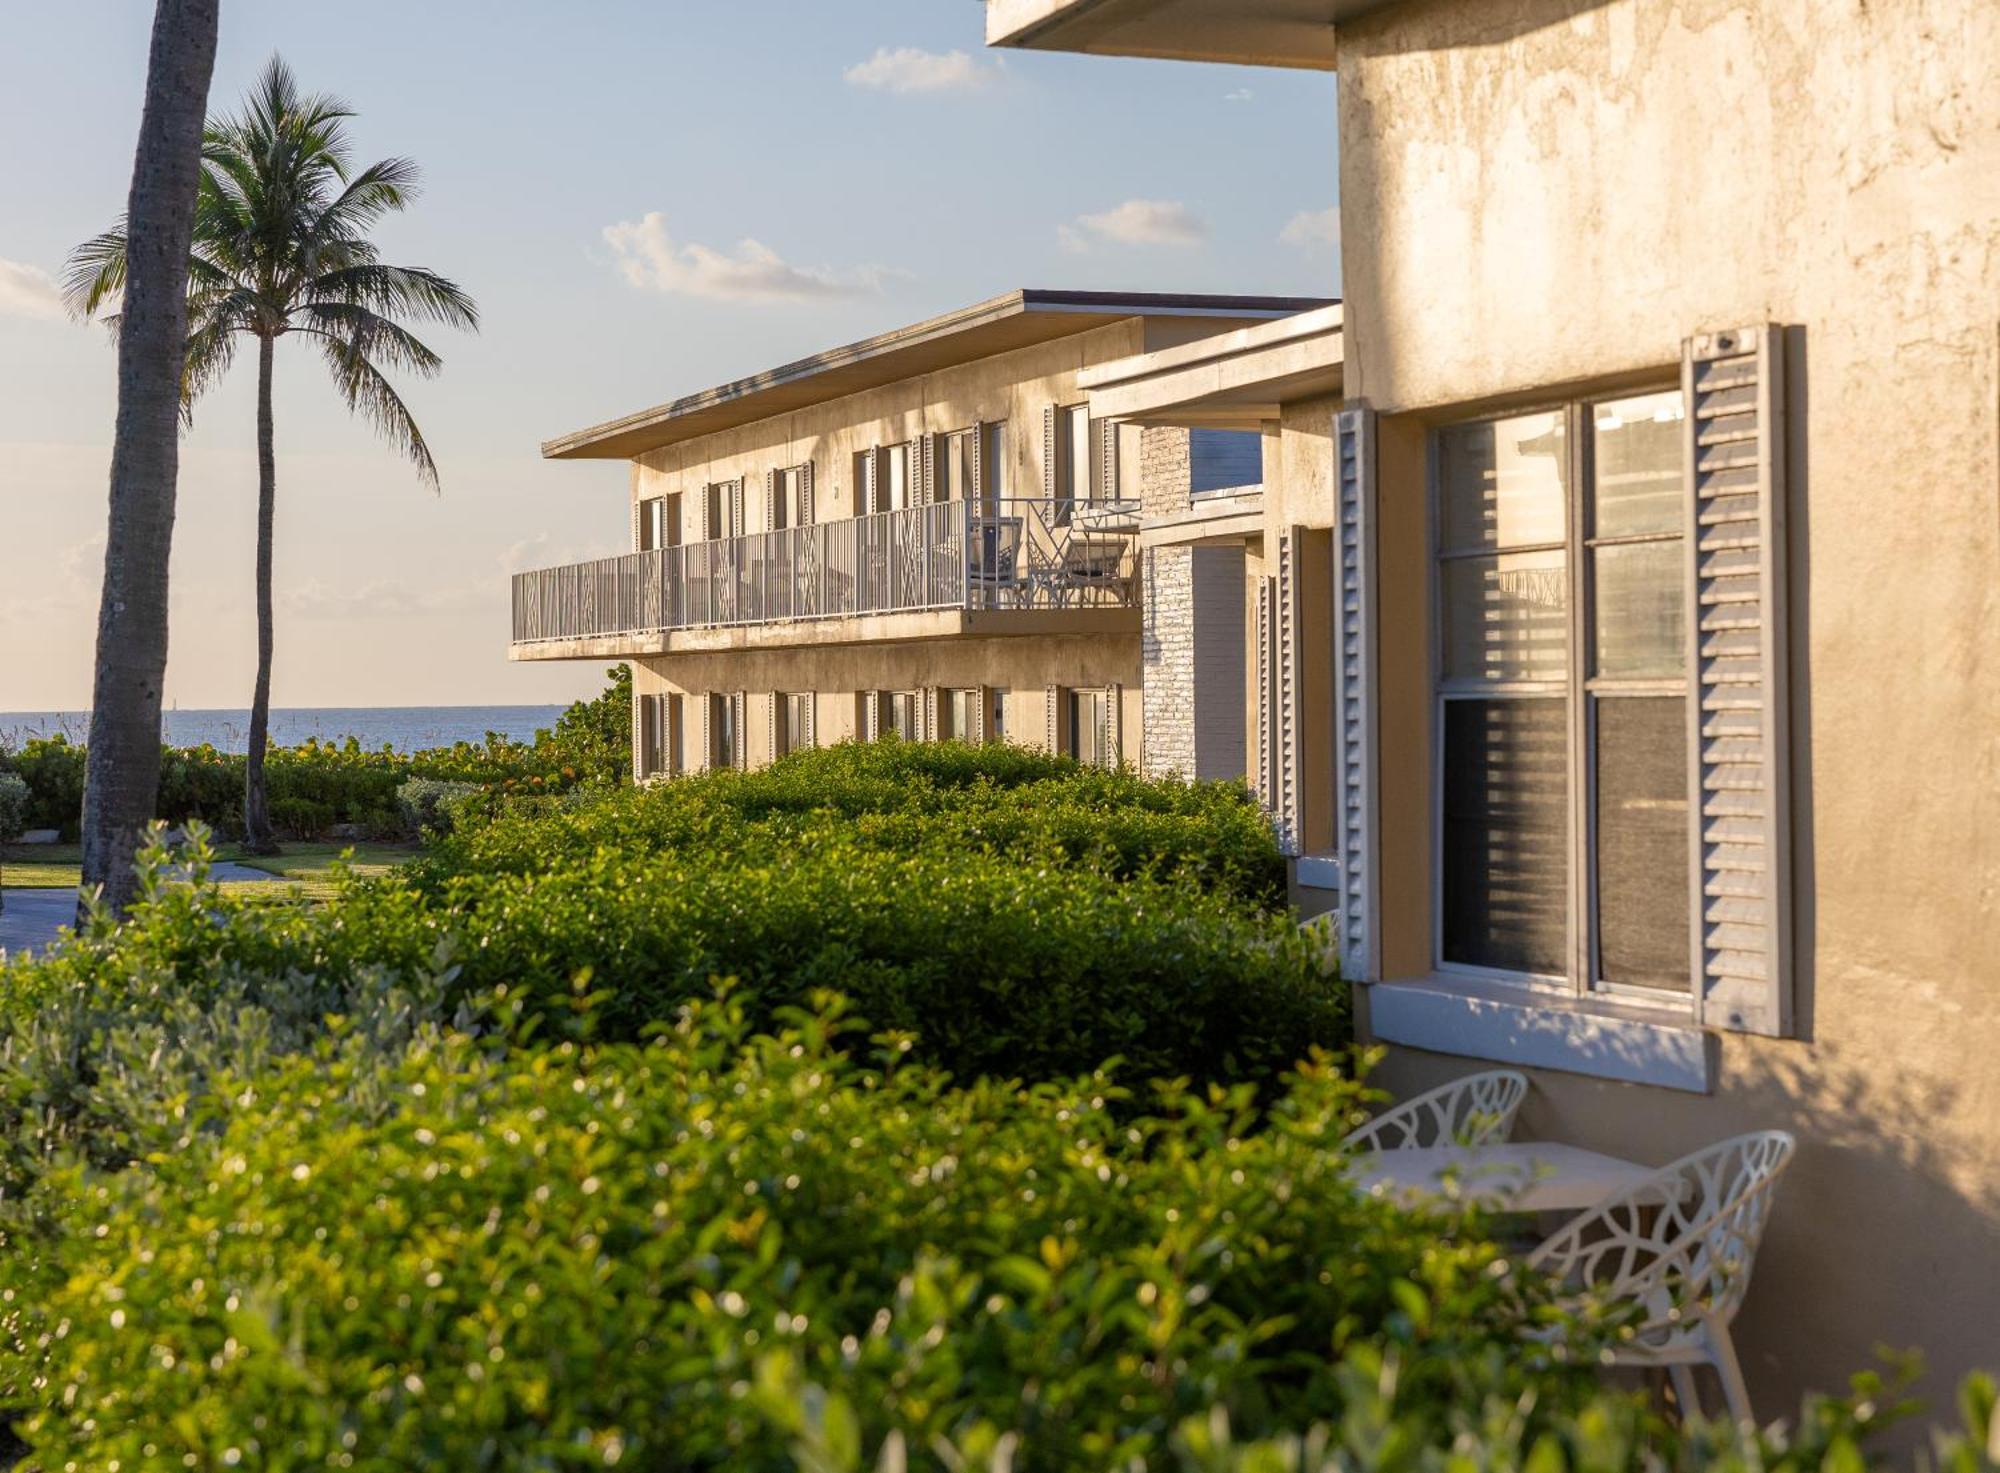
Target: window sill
column 1484, row 1020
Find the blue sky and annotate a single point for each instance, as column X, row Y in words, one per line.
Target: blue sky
column 884, row 164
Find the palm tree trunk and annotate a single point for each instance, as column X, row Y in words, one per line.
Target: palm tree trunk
column 122, row 776
column 256, row 812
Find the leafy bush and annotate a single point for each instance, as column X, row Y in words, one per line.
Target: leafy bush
column 53, row 771
column 319, row 784
column 455, row 1257
column 427, row 804
column 14, row 802
column 904, row 797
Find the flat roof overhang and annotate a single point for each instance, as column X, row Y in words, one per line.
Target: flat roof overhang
column 1018, row 319
column 907, row 627
column 1289, row 33
column 1234, row 380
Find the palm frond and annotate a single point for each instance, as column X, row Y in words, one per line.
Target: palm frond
column 95, row 272
column 382, row 341
column 410, row 291
column 383, row 187
column 375, row 399
column 210, row 349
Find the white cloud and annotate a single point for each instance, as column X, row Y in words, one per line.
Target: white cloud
column 1239, row 94
column 1313, row 230
column 651, row 259
column 28, row 291
column 1137, row 222
column 912, row 69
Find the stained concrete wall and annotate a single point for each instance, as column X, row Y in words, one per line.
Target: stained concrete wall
column 1013, row 388
column 1541, row 197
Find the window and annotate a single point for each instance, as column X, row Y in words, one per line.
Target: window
column 959, row 716
column 1090, row 727
column 1556, row 708
column 725, row 714
column 1072, row 471
column 652, row 735
column 896, row 714
column 892, row 487
column 674, row 728
column 789, row 505
column 725, row 509
column 993, row 461
column 652, row 523
column 1224, row 460
column 795, row 722
column 953, row 474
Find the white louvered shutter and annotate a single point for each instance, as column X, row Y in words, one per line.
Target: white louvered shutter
column 1107, row 460
column 982, row 698
column 923, row 469
column 1285, row 702
column 870, row 473
column 638, row 523
column 1267, row 777
column 1354, row 801
column 927, row 722
column 1109, row 728
column 771, row 704
column 1049, row 453
column 1053, row 734
column 871, row 715
column 810, row 719
column 1739, row 780
column 770, row 500
column 701, row 514
column 707, row 733
column 739, row 704
column 975, row 491
column 806, row 494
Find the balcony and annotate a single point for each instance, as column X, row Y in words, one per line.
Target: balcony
column 996, row 564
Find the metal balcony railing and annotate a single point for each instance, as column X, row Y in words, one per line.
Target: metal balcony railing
column 996, row 554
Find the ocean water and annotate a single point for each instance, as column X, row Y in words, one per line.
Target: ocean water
column 406, row 728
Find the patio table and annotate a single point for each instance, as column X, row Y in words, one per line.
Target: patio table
column 1508, row 1176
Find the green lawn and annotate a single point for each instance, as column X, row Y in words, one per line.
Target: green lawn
column 27, row 866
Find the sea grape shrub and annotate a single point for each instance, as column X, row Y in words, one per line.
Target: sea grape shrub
column 428, row 805
column 318, row 785
column 452, row 1256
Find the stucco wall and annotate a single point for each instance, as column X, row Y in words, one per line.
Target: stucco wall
column 1544, row 195
column 1013, row 388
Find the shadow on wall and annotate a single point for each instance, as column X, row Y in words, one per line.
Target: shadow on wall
column 1886, row 1231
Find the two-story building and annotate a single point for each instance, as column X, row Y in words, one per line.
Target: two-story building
column 925, row 533
column 1635, row 594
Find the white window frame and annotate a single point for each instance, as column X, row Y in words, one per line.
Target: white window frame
column 1580, row 986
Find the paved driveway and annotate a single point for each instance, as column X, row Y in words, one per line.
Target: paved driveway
column 33, row 917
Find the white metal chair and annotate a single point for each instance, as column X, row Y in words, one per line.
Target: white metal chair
column 1474, row 1111
column 1678, row 1249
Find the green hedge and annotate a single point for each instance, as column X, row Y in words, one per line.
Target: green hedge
column 451, row 1257
column 948, row 798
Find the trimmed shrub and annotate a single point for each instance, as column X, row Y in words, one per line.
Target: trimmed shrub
column 427, row 804
column 14, row 804
column 53, row 771
column 454, row 1258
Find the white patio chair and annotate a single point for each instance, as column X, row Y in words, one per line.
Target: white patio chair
column 1474, row 1111
column 1678, row 1249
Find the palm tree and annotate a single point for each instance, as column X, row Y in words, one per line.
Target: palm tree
column 122, row 780
column 281, row 248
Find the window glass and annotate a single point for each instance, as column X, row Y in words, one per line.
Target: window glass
column 1505, row 871
column 676, row 740
column 1636, row 459
column 1506, row 617
column 961, row 715
column 1087, row 712
column 652, row 523
column 794, row 730
column 1639, row 609
column 1501, row 483
column 993, row 460
column 895, row 487
column 1642, row 842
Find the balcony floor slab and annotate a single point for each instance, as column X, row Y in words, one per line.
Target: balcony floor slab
column 929, row 624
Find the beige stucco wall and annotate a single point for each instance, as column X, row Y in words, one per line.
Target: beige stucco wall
column 1549, row 194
